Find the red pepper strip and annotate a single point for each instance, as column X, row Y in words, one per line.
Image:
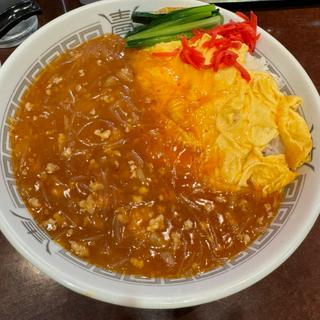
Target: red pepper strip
column 223, row 43
column 217, row 43
column 227, row 58
column 242, row 15
column 253, row 20
column 226, row 28
column 223, row 58
column 197, row 35
column 165, row 54
column 184, row 42
column 211, row 33
column 216, row 59
column 209, row 43
column 244, row 73
column 236, row 44
column 243, row 33
column 190, row 55
column 240, row 31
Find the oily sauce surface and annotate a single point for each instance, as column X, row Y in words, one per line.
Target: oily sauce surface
column 96, row 172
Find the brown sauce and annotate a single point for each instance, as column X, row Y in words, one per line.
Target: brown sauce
column 94, row 170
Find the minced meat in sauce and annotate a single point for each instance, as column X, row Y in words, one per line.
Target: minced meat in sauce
column 94, row 170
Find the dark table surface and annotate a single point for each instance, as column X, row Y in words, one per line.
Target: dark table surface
column 290, row 292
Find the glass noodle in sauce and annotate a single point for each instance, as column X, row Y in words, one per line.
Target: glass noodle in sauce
column 94, row 169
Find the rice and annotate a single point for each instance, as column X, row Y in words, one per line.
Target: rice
column 253, row 63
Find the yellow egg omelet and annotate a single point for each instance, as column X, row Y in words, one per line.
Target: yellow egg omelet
column 230, row 120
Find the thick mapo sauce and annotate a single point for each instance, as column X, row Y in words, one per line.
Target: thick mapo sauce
column 96, row 172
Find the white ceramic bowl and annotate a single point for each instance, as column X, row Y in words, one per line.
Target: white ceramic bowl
column 298, row 212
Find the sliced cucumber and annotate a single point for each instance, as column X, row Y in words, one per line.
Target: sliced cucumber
column 176, row 29
column 142, row 43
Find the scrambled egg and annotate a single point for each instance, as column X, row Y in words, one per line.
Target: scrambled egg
column 231, row 121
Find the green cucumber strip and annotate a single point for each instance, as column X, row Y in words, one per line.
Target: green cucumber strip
column 145, row 17
column 181, row 13
column 152, row 41
column 166, row 25
column 178, row 14
column 175, row 29
column 136, row 30
column 173, row 16
column 146, row 29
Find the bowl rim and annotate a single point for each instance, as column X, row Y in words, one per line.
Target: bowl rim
column 80, row 286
